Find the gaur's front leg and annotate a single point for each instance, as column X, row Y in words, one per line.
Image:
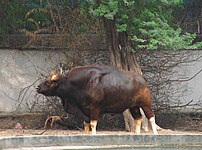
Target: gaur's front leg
column 93, row 125
column 94, row 116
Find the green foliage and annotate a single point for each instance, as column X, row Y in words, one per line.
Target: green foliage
column 16, row 15
column 12, row 16
column 73, row 3
column 108, row 9
column 36, row 19
column 153, row 31
column 150, row 24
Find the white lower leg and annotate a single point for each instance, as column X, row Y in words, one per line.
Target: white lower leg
column 153, row 125
column 158, row 127
column 145, row 123
column 93, row 125
column 138, row 125
column 86, row 127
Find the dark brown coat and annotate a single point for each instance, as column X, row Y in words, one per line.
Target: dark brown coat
column 89, row 91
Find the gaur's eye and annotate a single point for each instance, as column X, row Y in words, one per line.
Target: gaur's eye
column 53, row 82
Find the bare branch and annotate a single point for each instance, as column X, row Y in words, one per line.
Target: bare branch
column 185, row 80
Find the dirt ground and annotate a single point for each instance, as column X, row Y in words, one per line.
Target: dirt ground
column 29, row 132
column 108, row 124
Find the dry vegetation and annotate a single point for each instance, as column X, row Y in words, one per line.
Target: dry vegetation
column 108, row 124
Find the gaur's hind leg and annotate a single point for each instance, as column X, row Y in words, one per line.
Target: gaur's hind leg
column 86, row 127
column 150, row 116
column 135, row 112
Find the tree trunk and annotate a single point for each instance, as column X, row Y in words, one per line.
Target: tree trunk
column 121, row 57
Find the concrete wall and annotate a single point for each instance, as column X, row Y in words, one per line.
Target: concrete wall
column 191, row 73
column 103, row 141
column 20, row 72
column 21, row 69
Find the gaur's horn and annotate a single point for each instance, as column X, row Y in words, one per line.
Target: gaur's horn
column 60, row 72
column 51, row 74
column 57, row 76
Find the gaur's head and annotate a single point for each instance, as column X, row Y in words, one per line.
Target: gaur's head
column 50, row 85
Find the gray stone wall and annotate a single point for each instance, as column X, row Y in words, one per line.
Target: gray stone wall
column 20, row 73
column 21, row 70
column 191, row 74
